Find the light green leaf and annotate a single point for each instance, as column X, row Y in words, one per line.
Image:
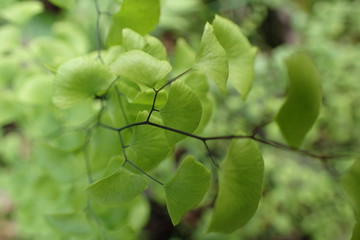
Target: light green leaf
column 128, row 88
column 10, row 38
column 302, row 105
column 148, row 145
column 9, row 109
column 32, row 91
column 115, row 189
column 132, row 40
column 182, row 111
column 138, row 15
column 79, row 80
column 146, row 97
column 72, row 34
column 184, row 57
column 197, row 82
column 103, row 146
column 69, row 224
column 141, row 67
column 60, row 165
column 155, row 48
column 69, row 141
column 21, row 12
column 52, row 51
column 211, row 59
column 186, row 189
column 240, row 187
column 240, row 53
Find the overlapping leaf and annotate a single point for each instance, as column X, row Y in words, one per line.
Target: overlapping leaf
column 182, row 111
column 240, row 53
column 240, row 187
column 70, row 224
column 302, row 105
column 155, row 48
column 350, row 181
column 184, row 56
column 21, row 12
column 120, row 187
column 139, row 15
column 148, row 145
column 80, row 79
column 212, row 59
column 141, row 67
column 132, row 40
column 186, row 189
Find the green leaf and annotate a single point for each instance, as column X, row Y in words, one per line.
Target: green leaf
column 70, row 224
column 32, row 91
column 132, row 40
column 21, row 12
column 60, row 165
column 240, row 53
column 52, row 51
column 211, row 59
column 146, row 97
column 155, row 48
column 79, row 80
column 148, row 145
column 10, row 38
column 125, row 232
column 67, row 4
column 141, row 67
column 184, row 57
column 182, row 111
column 240, row 187
column 103, row 146
column 302, row 105
column 350, row 181
column 115, row 189
column 356, row 232
column 69, row 141
column 138, row 15
column 186, row 189
column 72, row 34
column 9, row 108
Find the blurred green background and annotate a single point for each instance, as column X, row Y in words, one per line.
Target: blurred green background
column 301, row 199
